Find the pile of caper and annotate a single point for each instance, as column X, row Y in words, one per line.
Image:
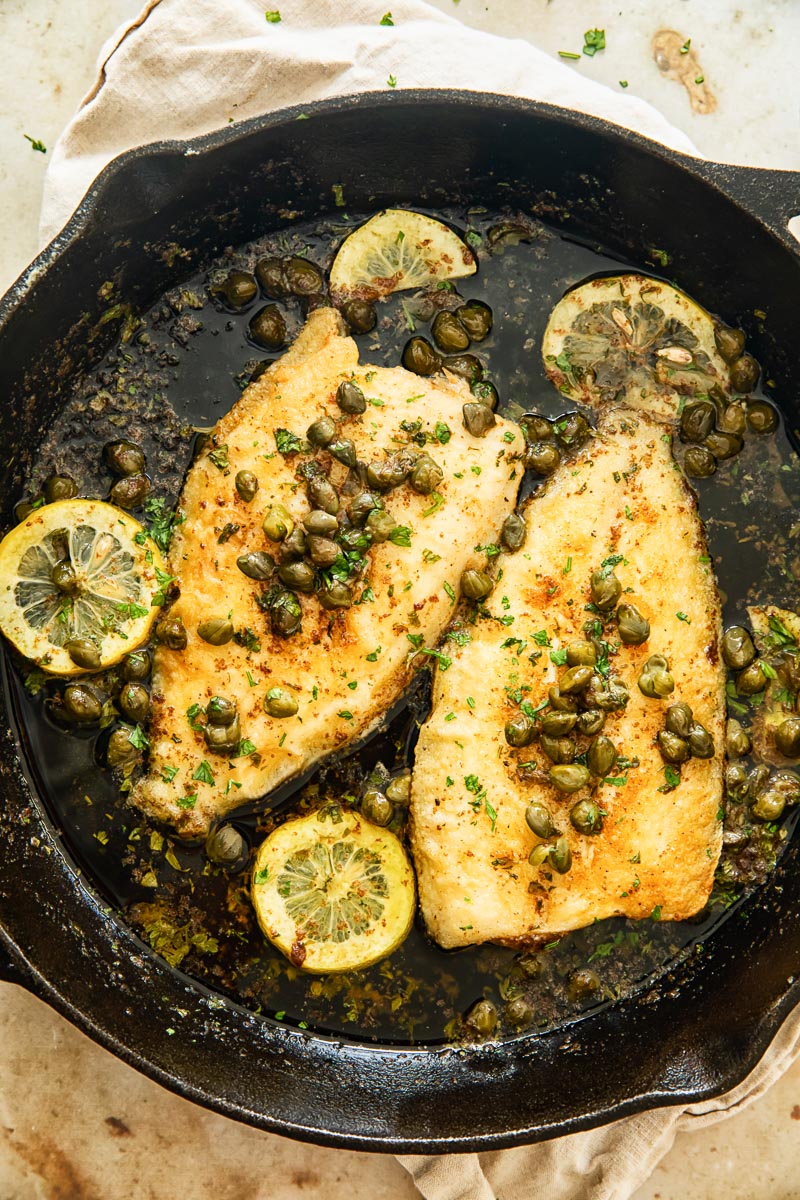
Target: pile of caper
column 279, row 279
column 222, row 731
column 713, row 427
column 385, row 794
column 751, row 678
column 454, row 332
column 127, row 461
column 546, row 441
column 682, row 737
column 55, row 487
column 766, row 793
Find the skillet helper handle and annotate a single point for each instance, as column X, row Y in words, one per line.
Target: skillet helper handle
column 774, row 196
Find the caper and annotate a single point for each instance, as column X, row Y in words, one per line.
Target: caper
column 380, row 525
column 134, row 702
column 449, row 334
column 744, row 373
column 478, row 418
column 574, row 680
column 758, row 778
column 322, row 431
column 271, row 275
column 337, row 595
column 216, row 631
column 323, row 552
column 787, row 784
column 729, row 342
column 426, row 475
column 738, row 649
column 582, row 983
column 737, row 784
column 120, row 749
column 536, row 428
column 238, row 289
column 246, row 484
column 701, row 742
column 787, row 667
column 561, row 703
column 560, row 856
column 572, row 431
column 256, row 564
column 539, row 820
column 65, row 577
column 723, row 445
column 697, row 421
column 298, row 575
column 344, row 451
column 569, row 777
column 769, row 805
column 285, row 613
column 124, row 458
column 761, row 417
column 605, row 588
column 320, row 523
column 279, row 703
column 787, row 737
column 277, row 523
column 476, row 585
column 350, row 397
column 557, row 724
column 520, row 730
column 467, row 366
column 476, row 317
column 220, row 710
column 420, row 357
column 591, row 721
column 751, row 680
column 361, row 506
column 382, row 476
column 84, row 653
column 223, row 739
column 699, row 463
column 609, row 695
column 633, row 628
column 268, row 328
column 655, row 680
column 674, row 749
column 519, row 1013
column 679, row 718
column 131, row 491
column 485, row 393
column 377, row 807
column 398, row 790
column 530, row 965
column 542, row 457
column 59, row 487
column 558, row 749
column 539, row 854
column 303, row 278
column 586, row 817
column 22, row 510
column 360, row 315
column 322, row 494
column 580, row 653
column 81, row 704
column 737, row 740
column 225, row 846
column 601, row 756
column 170, row 632
column 482, row 1018
column 733, row 419
column 512, row 534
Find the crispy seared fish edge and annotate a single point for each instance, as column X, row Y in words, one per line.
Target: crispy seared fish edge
column 344, row 669
column 657, row 852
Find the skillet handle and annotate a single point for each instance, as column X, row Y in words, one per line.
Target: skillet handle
column 774, row 196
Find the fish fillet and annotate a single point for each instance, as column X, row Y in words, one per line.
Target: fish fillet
column 344, row 669
column 622, row 494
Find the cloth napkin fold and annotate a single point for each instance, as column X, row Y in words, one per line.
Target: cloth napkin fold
column 186, row 67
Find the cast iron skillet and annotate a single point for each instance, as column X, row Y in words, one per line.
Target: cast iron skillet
column 154, row 216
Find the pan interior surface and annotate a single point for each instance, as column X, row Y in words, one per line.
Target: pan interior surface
column 593, row 189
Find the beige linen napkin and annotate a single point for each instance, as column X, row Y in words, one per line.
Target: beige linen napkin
column 185, row 67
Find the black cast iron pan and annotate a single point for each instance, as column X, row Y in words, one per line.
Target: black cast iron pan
column 725, row 231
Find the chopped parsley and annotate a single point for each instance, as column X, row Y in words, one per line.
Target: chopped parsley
column 162, row 522
column 219, row 457
column 448, row 588
column 35, row 143
column 442, row 432
column 203, row 774
column 391, row 81
column 594, row 40
column 182, row 802
column 373, row 657
column 400, row 536
column 273, row 15
column 683, row 617
column 287, row 442
column 437, row 500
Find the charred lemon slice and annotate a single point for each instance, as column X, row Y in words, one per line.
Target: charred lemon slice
column 332, row 891
column 395, row 250
column 77, row 581
column 634, row 340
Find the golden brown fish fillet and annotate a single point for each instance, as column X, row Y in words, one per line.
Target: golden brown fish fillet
column 621, row 495
column 344, row 669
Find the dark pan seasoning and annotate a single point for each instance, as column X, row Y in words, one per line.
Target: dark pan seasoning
column 173, row 373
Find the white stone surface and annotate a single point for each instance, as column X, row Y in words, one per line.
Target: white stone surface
column 77, row 1124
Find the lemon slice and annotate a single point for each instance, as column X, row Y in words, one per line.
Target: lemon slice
column 634, row 340
column 395, row 250
column 332, row 891
column 78, row 569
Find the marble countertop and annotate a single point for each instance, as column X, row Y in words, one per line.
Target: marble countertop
column 76, row 1123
